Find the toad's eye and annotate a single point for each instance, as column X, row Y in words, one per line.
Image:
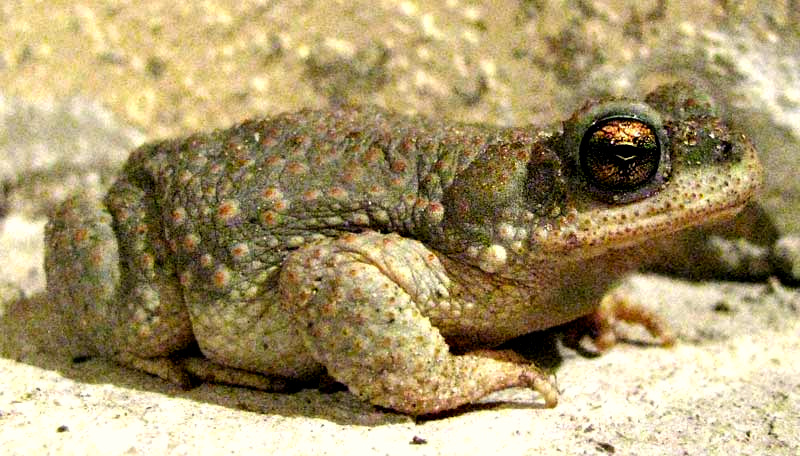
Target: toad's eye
column 619, row 149
column 620, row 153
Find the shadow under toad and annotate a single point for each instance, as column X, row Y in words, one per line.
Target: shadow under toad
column 35, row 334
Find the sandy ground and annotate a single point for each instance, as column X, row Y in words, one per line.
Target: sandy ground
column 82, row 83
column 729, row 387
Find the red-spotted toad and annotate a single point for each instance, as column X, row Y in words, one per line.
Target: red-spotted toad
column 391, row 252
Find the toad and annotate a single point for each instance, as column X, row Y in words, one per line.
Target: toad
column 392, row 253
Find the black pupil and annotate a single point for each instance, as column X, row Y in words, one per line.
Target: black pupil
column 620, row 153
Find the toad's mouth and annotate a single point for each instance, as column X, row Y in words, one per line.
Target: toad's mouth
column 605, row 228
column 664, row 225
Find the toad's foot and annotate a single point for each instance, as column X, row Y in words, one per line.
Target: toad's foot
column 601, row 326
column 358, row 302
column 188, row 372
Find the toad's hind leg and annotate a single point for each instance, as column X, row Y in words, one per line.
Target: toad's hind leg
column 357, row 303
column 120, row 299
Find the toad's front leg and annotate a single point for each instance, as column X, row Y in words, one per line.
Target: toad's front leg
column 601, row 325
column 357, row 301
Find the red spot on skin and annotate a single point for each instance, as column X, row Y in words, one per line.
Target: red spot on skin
column 328, row 308
column 81, row 235
column 299, row 141
column 269, row 218
column 233, row 146
column 373, row 155
column 227, row 210
column 190, row 243
column 270, row 193
column 122, row 214
column 221, row 277
column 331, row 152
column 319, row 160
column 272, row 161
column 146, row 261
column 337, row 193
column 352, row 173
column 296, row 168
column 96, row 257
column 268, row 142
column 178, row 216
column 408, row 145
column 436, row 207
column 399, row 166
column 291, row 277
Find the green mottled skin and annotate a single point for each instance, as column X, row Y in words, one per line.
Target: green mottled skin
column 373, row 246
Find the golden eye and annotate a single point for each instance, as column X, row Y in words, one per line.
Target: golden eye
column 620, row 153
